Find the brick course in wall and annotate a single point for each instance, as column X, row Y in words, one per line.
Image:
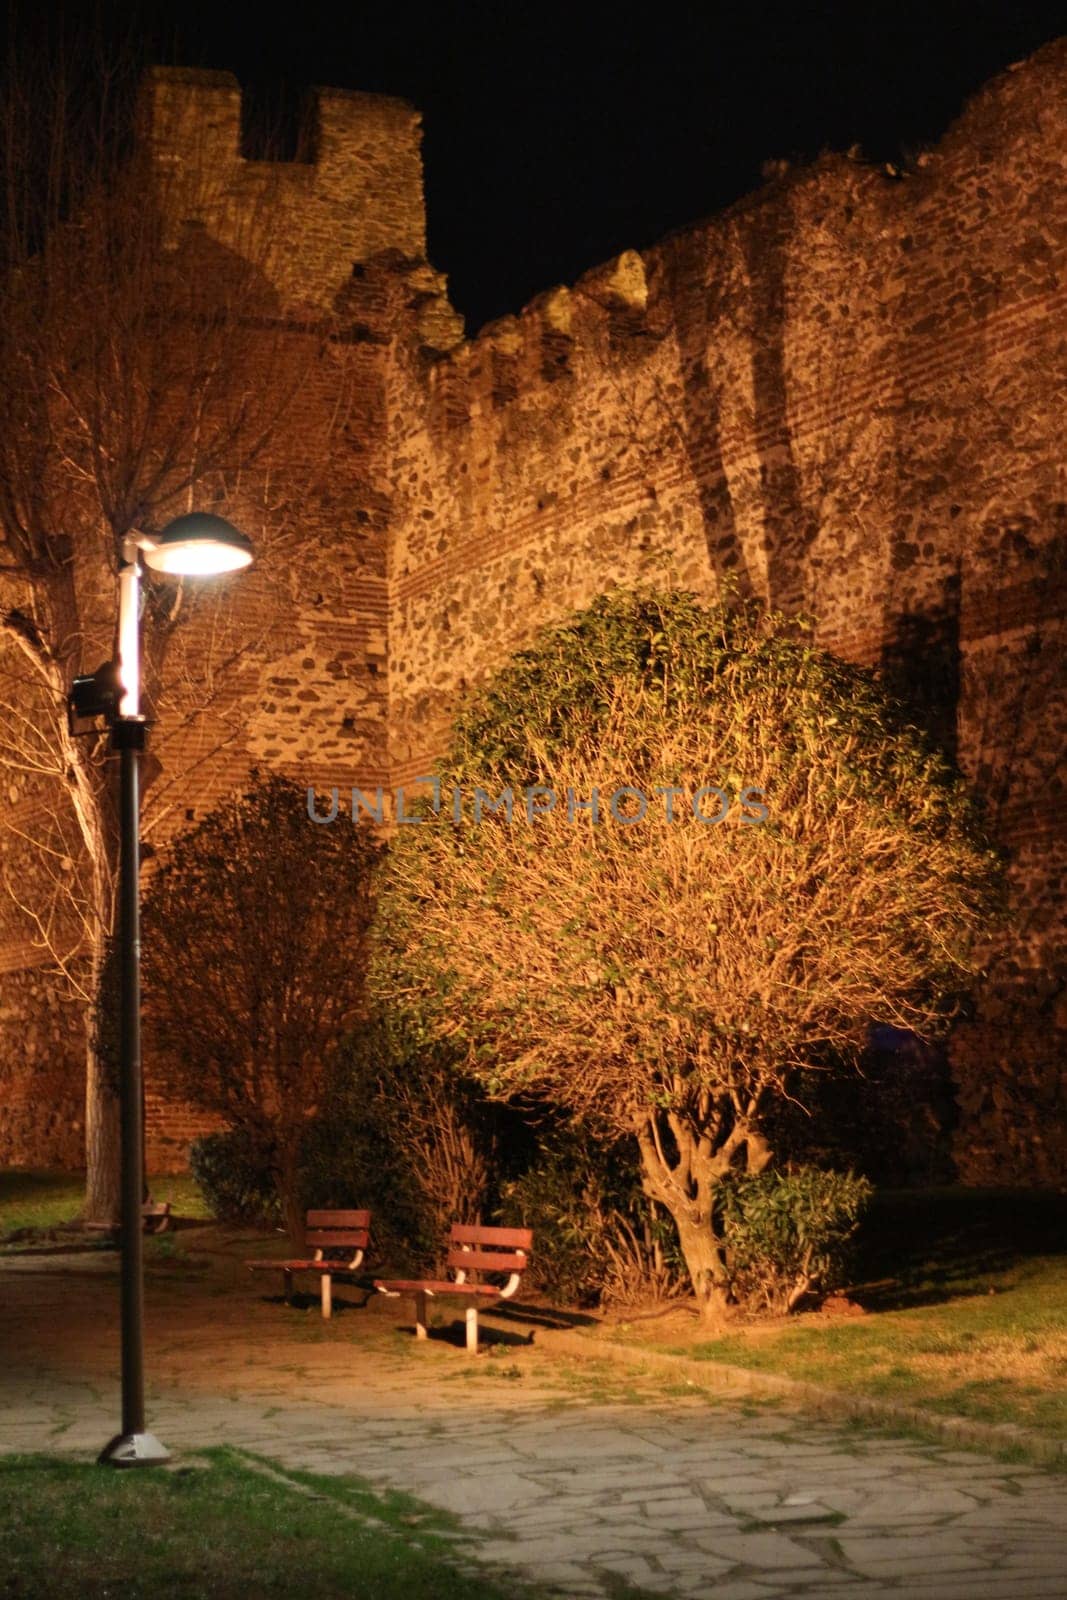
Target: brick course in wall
column 844, row 394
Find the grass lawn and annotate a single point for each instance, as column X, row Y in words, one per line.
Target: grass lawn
column 51, row 1199
column 220, row 1527
column 966, row 1294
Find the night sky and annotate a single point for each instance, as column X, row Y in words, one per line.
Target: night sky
column 557, row 136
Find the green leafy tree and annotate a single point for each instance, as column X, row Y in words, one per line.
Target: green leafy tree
column 667, row 980
column 256, row 943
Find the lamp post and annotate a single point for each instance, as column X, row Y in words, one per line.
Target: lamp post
column 197, row 545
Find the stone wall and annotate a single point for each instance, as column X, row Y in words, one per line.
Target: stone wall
column 843, row 394
column 359, row 193
column 284, row 666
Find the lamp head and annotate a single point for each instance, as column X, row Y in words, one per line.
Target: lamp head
column 198, row 545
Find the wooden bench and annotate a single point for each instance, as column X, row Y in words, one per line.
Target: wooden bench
column 471, row 1249
column 338, row 1238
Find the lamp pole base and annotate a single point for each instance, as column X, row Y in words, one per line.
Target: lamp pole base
column 133, row 1450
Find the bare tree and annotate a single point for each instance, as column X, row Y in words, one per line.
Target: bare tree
column 136, row 370
column 257, row 929
column 667, row 979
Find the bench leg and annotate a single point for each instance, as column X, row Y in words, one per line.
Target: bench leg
column 472, row 1329
column 327, row 1295
column 422, row 1330
column 288, row 1288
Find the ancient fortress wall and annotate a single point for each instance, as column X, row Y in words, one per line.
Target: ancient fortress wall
column 358, row 195
column 287, row 665
column 845, row 394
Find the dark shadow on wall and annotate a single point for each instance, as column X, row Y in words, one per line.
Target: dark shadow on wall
column 893, row 1119
column 1014, row 693
column 921, row 665
column 789, row 527
column 700, row 313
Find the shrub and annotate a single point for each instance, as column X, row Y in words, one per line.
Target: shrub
column 233, row 1170
column 402, row 1134
column 598, row 1239
column 787, row 1234
column 346, row 1163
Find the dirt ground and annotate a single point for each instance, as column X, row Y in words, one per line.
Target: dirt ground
column 211, row 1324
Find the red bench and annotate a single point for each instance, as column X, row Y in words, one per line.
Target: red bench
column 338, row 1238
column 471, row 1250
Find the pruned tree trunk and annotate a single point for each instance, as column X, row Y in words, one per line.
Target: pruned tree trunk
column 705, row 1262
column 687, row 1189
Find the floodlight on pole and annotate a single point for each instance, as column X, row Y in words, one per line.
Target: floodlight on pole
column 196, row 545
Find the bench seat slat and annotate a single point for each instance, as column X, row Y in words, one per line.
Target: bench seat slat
column 303, row 1266
column 336, row 1238
column 338, row 1219
column 486, row 1260
column 428, row 1286
column 475, row 1233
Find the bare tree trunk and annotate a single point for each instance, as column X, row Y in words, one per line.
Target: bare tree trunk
column 103, row 1160
column 103, row 1137
column 102, row 1147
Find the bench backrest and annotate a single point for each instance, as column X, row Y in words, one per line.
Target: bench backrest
column 472, row 1248
column 337, row 1230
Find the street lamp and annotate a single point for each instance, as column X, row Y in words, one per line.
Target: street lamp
column 197, row 545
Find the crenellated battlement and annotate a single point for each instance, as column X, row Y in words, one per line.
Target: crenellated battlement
column 358, row 198
column 556, row 335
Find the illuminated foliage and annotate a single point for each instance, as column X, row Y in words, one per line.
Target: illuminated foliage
column 666, row 980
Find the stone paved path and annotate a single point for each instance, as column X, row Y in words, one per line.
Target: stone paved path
column 674, row 1496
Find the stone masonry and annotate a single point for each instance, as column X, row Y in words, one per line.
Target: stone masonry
column 845, row 394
